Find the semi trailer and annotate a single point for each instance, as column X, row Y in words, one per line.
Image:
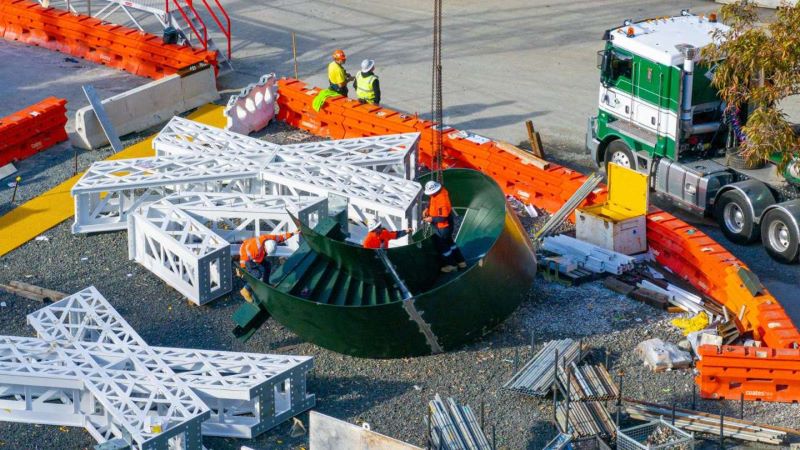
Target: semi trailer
column 658, row 113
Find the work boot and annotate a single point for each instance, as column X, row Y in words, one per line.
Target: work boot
column 462, row 265
column 246, row 294
column 448, row 268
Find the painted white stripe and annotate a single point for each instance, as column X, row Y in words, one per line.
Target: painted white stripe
column 646, row 115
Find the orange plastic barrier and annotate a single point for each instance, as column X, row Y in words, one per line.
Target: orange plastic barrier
column 686, row 251
column 763, row 374
column 32, row 129
column 97, row 41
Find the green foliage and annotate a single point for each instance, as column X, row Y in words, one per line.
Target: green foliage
column 758, row 65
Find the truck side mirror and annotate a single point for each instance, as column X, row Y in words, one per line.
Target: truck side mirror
column 604, row 64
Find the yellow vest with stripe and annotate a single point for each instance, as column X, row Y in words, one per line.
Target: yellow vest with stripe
column 364, row 87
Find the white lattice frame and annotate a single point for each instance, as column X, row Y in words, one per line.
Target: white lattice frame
column 84, row 342
column 164, row 240
column 395, row 154
column 236, row 217
column 370, row 194
column 110, row 190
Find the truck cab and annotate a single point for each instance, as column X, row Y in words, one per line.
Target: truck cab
column 658, row 113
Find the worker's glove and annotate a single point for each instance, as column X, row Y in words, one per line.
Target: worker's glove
column 428, row 219
column 409, row 230
column 238, row 272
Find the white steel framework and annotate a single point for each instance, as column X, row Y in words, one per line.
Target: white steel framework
column 180, row 250
column 89, row 368
column 110, row 190
column 395, row 153
column 236, row 217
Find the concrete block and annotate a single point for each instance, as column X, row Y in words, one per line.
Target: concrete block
column 145, row 106
column 328, row 433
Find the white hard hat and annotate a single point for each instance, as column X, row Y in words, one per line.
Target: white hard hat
column 367, row 65
column 374, row 224
column 432, row 187
column 269, row 246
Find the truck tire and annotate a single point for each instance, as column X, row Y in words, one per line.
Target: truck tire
column 619, row 153
column 780, row 236
column 735, row 218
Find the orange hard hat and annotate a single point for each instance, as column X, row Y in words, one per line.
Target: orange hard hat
column 339, row 55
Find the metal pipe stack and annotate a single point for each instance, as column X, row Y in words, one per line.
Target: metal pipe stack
column 589, row 256
column 707, row 423
column 455, row 427
column 588, row 382
column 566, row 209
column 586, row 419
column 537, row 376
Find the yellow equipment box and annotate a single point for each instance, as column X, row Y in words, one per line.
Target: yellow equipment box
column 619, row 223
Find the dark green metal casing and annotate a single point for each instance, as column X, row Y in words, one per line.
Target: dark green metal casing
column 342, row 297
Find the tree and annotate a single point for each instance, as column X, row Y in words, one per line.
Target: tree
column 758, row 66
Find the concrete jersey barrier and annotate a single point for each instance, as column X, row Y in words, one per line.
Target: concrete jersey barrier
column 145, row 106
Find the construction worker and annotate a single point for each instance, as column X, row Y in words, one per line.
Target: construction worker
column 337, row 76
column 254, row 258
column 440, row 215
column 367, row 85
column 379, row 237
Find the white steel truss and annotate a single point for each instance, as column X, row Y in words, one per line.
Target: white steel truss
column 89, row 368
column 180, row 250
column 236, row 217
column 369, row 193
column 110, row 190
column 395, row 154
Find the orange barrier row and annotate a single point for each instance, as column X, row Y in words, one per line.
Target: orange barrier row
column 97, row 41
column 761, row 374
column 686, row 251
column 32, row 129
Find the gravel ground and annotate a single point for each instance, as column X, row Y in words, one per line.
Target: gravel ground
column 389, row 394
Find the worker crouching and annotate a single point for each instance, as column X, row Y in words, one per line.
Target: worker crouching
column 254, row 256
column 379, row 237
column 440, row 215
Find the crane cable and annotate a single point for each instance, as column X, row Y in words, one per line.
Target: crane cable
column 436, row 94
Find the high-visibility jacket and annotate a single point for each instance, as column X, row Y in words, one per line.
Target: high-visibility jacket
column 253, row 249
column 440, row 208
column 381, row 238
column 365, row 87
column 336, row 74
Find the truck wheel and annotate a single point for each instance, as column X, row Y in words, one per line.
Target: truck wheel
column 619, row 153
column 733, row 215
column 780, row 236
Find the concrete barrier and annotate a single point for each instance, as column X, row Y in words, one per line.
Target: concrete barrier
column 145, row 106
column 328, row 433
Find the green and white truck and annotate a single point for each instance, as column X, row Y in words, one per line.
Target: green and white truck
column 659, row 114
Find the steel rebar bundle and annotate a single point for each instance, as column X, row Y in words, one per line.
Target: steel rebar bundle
column 588, row 382
column 586, row 419
column 454, row 426
column 566, row 209
column 537, row 376
column 707, row 423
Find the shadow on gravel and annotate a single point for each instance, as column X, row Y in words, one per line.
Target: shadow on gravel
column 347, row 398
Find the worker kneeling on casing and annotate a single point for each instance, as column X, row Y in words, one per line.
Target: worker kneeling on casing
column 254, row 258
column 440, row 215
column 379, row 237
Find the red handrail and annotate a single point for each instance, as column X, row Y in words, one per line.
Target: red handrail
column 226, row 30
column 204, row 38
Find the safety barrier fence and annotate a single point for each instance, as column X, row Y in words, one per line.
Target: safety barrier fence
column 686, row 251
column 95, row 40
column 33, row 129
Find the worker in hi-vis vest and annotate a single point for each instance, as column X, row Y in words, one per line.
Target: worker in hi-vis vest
column 337, row 76
column 254, row 256
column 366, row 84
